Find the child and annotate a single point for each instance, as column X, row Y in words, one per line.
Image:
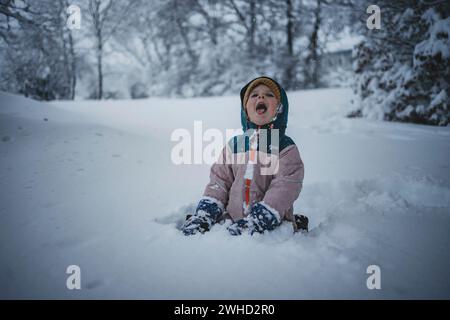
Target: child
column 240, row 187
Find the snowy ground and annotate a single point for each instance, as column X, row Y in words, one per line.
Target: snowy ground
column 92, row 184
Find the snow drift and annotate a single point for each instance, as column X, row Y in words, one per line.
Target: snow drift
column 92, row 184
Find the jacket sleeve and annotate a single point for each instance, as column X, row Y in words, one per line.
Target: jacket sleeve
column 221, row 178
column 285, row 187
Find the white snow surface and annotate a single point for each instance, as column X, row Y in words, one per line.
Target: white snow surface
column 92, row 184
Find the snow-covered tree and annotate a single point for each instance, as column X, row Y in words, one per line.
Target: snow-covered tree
column 106, row 18
column 135, row 48
column 38, row 59
column 403, row 68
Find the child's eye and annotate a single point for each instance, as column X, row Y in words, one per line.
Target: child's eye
column 268, row 94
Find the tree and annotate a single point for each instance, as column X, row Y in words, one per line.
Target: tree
column 35, row 50
column 312, row 59
column 403, row 68
column 106, row 17
column 165, row 47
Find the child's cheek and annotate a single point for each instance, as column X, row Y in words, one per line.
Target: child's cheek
column 247, row 109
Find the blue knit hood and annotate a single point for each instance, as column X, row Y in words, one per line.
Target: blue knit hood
column 279, row 123
column 241, row 143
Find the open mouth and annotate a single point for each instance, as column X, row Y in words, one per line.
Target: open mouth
column 261, row 108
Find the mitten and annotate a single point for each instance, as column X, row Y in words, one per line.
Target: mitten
column 260, row 219
column 207, row 213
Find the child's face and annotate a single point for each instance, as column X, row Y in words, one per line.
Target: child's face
column 261, row 105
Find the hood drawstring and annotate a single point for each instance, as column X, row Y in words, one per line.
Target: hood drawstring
column 277, row 112
column 249, row 170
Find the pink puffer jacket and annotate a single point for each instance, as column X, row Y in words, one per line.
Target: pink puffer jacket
column 237, row 185
column 277, row 191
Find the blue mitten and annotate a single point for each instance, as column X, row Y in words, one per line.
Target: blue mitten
column 207, row 213
column 260, row 219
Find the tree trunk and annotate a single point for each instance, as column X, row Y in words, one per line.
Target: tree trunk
column 290, row 64
column 184, row 34
column 312, row 63
column 98, row 25
column 99, row 36
column 99, row 68
column 73, row 81
column 252, row 28
column 69, row 52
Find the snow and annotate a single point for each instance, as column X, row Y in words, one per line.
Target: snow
column 441, row 97
column 92, row 184
column 437, row 44
column 345, row 41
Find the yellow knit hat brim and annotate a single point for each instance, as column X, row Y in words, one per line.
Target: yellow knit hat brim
column 266, row 81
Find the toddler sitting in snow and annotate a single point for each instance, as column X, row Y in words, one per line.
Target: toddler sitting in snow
column 256, row 197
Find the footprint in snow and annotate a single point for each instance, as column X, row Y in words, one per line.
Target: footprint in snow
column 68, row 243
column 178, row 217
column 6, row 138
column 94, row 284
